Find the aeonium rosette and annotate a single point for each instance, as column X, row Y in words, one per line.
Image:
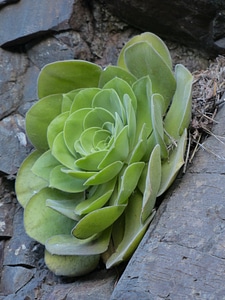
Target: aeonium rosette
column 108, row 142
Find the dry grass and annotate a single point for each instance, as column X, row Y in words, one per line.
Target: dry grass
column 208, row 95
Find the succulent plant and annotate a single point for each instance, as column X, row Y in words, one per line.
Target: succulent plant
column 107, row 143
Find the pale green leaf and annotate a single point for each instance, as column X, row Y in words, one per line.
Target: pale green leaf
column 84, row 99
column 43, row 166
column 179, row 114
column 64, row 182
column 98, row 199
column 70, row 245
column 134, row 231
column 171, row 167
column 74, row 127
column 128, row 181
column 38, row 119
column 71, row 265
column 119, row 150
column 66, row 207
column 105, row 174
column 152, row 183
column 55, row 127
column 142, row 60
column 156, row 43
column 61, row 152
column 112, row 72
column 40, row 220
column 97, row 221
column 65, row 76
column 27, row 183
column 157, row 103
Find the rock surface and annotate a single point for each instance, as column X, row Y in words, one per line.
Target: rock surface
column 182, row 254
column 197, row 23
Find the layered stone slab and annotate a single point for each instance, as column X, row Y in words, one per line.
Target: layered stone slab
column 182, row 256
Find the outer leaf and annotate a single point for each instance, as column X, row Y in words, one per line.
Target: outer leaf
column 64, row 182
column 39, row 117
column 71, row 265
column 55, row 127
column 43, row 166
column 65, row 76
column 122, row 88
column 105, row 174
column 152, row 183
column 171, row 167
column 97, row 221
column 27, row 183
column 84, row 99
column 179, row 115
column 66, row 207
column 69, row 245
column 98, row 199
column 154, row 41
column 112, row 72
column 142, row 60
column 157, row 123
column 134, row 231
column 143, row 91
column 42, row 224
column 128, row 181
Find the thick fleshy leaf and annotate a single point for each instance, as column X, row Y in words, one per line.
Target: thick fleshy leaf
column 141, row 60
column 171, row 167
column 61, row 152
column 97, row 221
column 152, row 183
column 157, row 103
column 55, row 127
column 42, row 224
column 74, row 127
column 121, row 87
column 143, row 91
column 66, row 103
column 130, row 119
column 39, row 117
column 134, row 231
column 91, row 161
column 44, row 165
column 97, row 117
column 156, row 43
column 179, row 114
column 66, row 207
column 128, row 181
column 70, row 245
column 65, row 76
column 112, row 72
column 119, row 150
column 139, row 150
column 64, row 182
column 71, row 265
column 110, row 101
column 27, row 183
column 106, row 174
column 97, row 200
column 84, row 99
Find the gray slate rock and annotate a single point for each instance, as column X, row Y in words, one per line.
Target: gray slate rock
column 182, row 255
column 32, row 19
column 196, row 23
column 14, row 146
